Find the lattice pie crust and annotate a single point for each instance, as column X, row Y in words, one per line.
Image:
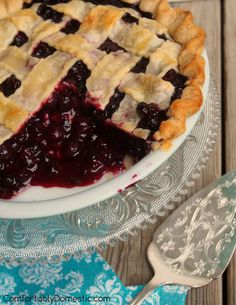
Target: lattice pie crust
column 169, row 41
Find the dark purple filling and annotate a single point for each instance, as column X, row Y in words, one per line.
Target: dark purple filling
column 19, row 40
column 71, row 27
column 127, row 18
column 27, row 5
column 109, row 46
column 63, row 145
column 77, row 76
column 145, row 14
column 100, row 116
column 46, row 12
column 9, row 86
column 151, row 116
column 114, row 103
column 43, row 50
column 59, row 146
column 162, row 36
column 127, row 144
column 178, row 81
column 141, row 66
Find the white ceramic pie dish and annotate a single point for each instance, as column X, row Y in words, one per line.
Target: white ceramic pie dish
column 37, row 202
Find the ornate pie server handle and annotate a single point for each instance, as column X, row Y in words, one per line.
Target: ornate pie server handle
column 147, row 290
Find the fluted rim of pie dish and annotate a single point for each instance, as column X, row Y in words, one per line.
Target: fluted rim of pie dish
column 54, row 201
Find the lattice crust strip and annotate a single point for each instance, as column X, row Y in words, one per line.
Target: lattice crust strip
column 113, row 42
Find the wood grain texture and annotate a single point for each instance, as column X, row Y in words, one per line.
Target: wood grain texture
column 129, row 259
column 229, row 117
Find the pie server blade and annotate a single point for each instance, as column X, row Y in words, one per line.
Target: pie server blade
column 195, row 244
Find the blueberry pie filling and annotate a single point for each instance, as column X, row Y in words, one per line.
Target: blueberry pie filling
column 19, row 40
column 43, row 50
column 90, row 87
column 9, row 85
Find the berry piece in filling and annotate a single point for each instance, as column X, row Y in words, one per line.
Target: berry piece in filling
column 127, row 18
column 114, row 103
column 77, row 76
column 43, row 50
column 109, row 46
column 141, row 66
column 46, row 12
column 71, row 27
column 162, row 36
column 176, row 80
column 19, row 40
column 151, row 116
column 9, row 86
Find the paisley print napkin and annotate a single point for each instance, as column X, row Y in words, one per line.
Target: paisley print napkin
column 85, row 280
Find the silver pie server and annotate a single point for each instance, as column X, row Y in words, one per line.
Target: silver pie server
column 195, row 244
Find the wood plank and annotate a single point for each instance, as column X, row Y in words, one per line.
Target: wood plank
column 129, row 259
column 229, row 118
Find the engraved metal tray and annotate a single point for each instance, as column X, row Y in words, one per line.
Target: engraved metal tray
column 58, row 237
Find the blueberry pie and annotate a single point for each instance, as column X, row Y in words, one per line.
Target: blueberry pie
column 91, row 86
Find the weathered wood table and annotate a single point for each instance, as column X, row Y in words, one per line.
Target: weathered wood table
column 218, row 17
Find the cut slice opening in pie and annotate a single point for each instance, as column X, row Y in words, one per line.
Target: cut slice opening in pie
column 91, row 87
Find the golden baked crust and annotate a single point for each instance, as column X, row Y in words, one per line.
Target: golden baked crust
column 8, row 7
column 190, row 102
column 183, row 30
column 182, row 52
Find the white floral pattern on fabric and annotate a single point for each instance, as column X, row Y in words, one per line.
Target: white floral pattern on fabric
column 175, row 289
column 75, row 281
column 88, row 276
column 131, row 291
column 107, row 287
column 153, row 299
column 106, row 267
column 7, row 284
column 7, row 265
column 42, row 275
column 87, row 257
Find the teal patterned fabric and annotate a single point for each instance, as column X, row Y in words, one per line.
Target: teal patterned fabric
column 73, row 282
